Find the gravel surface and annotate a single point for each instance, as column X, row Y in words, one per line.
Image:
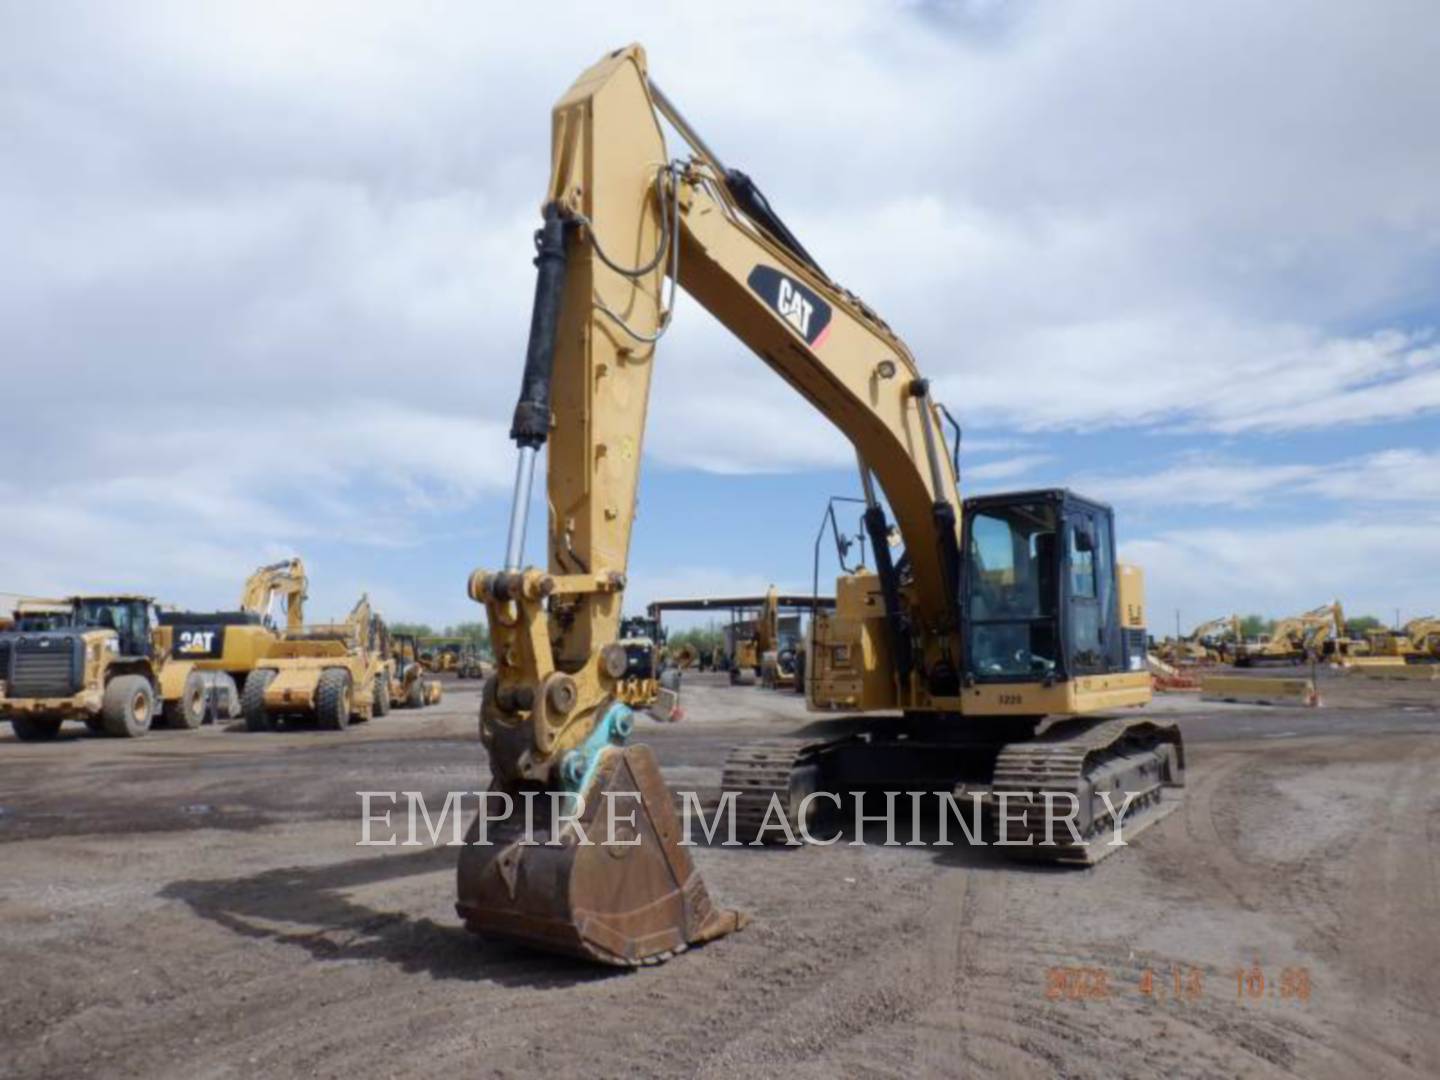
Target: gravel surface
column 194, row 905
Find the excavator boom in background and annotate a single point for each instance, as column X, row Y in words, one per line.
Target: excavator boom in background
column 997, row 612
column 283, row 580
column 1313, row 635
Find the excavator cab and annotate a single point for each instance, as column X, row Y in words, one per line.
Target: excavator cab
column 1041, row 598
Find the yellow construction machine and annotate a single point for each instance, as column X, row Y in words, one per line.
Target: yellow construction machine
column 759, row 641
column 779, row 641
column 442, row 654
column 999, row 612
column 1211, row 642
column 1311, row 636
column 408, row 686
column 1424, row 637
column 650, row 682
column 102, row 659
column 40, row 613
column 751, row 636
column 333, row 673
column 1418, row 642
column 225, row 646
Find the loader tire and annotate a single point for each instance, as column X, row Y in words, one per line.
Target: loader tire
column 252, row 702
column 333, row 699
column 382, row 695
column 415, row 696
column 187, row 712
column 35, row 728
column 128, row 706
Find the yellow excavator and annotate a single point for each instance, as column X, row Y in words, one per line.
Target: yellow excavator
column 1418, row 642
column 226, row 646
column 1209, row 643
column 998, row 612
column 283, row 581
column 1424, row 637
column 1310, row 636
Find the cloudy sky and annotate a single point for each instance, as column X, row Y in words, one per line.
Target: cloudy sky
column 266, row 282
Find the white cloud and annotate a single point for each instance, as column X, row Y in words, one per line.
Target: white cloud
column 1391, row 476
column 1005, row 468
column 1373, row 566
column 268, row 265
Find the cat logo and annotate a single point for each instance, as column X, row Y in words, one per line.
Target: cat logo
column 196, row 642
column 794, row 308
column 803, row 310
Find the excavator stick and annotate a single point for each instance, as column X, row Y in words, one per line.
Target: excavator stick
column 613, row 885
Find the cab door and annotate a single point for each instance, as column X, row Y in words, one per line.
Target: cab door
column 1089, row 586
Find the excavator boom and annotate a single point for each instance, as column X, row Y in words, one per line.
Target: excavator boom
column 282, row 580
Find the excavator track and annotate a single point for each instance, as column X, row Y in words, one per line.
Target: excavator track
column 1082, row 758
column 761, row 770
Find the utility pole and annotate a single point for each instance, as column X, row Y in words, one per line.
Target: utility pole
column 1177, row 624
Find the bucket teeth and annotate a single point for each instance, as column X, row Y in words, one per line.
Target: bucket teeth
column 618, row 889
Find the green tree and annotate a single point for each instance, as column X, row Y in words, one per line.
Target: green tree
column 699, row 639
column 476, row 633
column 1363, row 624
column 419, row 629
column 1254, row 626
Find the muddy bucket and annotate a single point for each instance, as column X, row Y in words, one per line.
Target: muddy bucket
column 630, row 896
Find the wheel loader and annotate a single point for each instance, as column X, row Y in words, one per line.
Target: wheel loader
column 649, row 683
column 334, row 674
column 994, row 647
column 104, row 660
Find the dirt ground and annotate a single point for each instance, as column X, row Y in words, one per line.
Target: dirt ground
column 194, row 905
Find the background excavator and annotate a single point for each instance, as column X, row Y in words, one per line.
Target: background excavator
column 1310, row 636
column 757, row 629
column 998, row 612
column 1417, row 642
column 1211, row 642
column 226, row 646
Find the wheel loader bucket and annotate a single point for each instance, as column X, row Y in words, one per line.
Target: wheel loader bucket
column 630, row 896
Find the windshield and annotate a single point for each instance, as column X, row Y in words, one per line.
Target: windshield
column 637, row 626
column 1012, row 593
column 36, row 622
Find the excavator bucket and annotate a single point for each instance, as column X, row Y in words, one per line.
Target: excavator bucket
column 630, row 896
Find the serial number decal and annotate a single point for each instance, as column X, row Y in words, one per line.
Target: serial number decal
column 1011, row 699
